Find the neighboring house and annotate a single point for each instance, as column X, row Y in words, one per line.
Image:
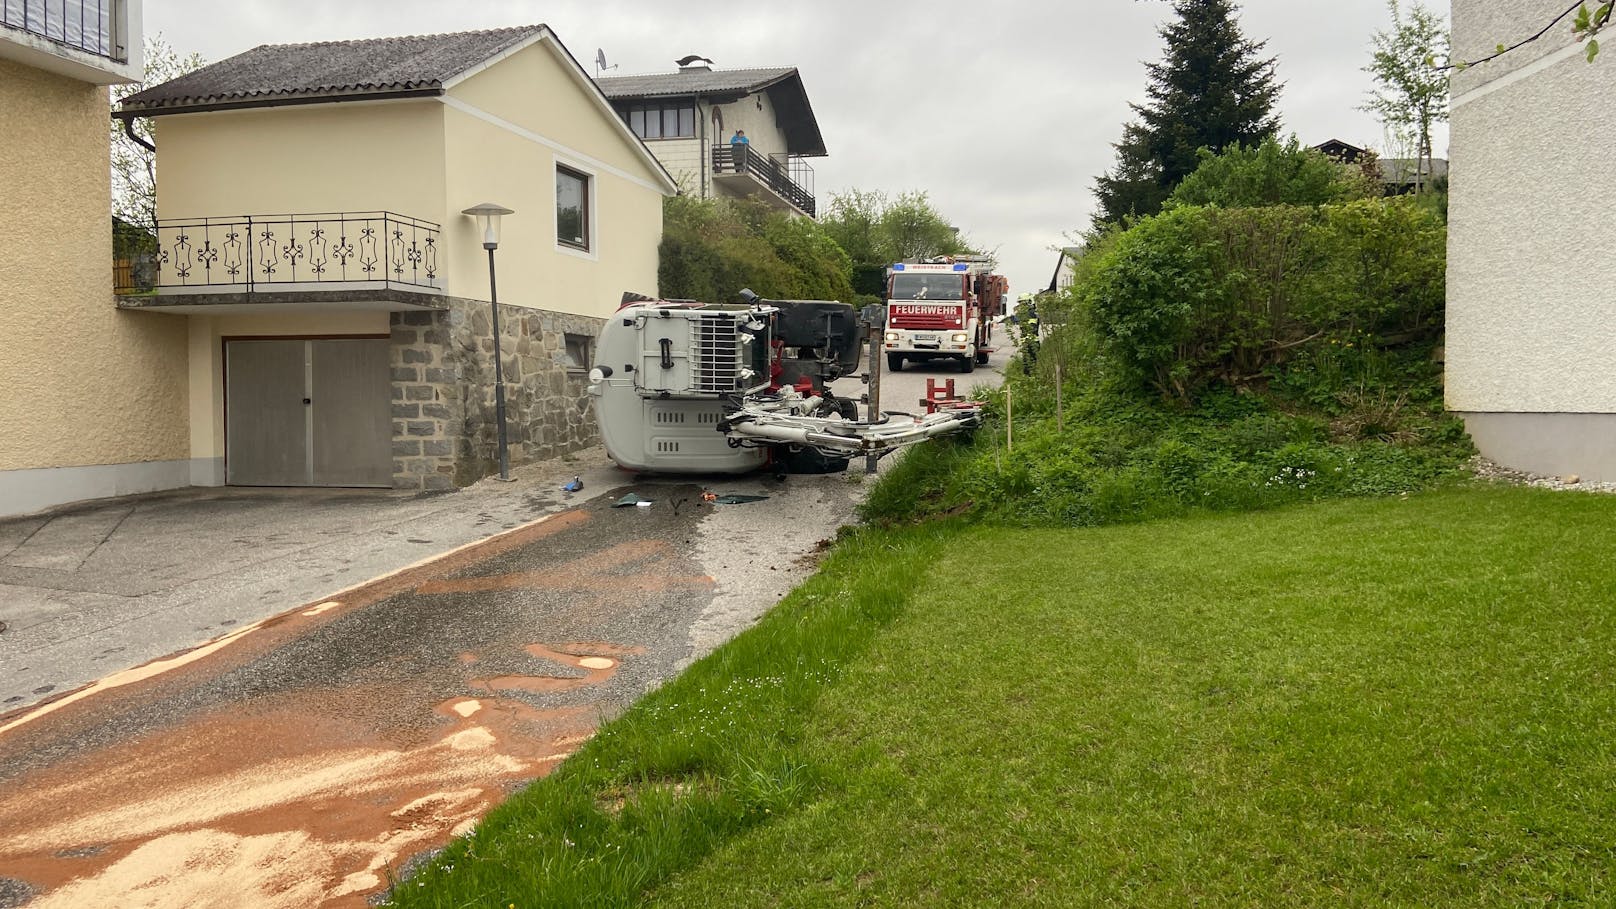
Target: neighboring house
column 688, row 118
column 94, row 401
column 1531, row 342
column 1062, row 278
column 311, row 248
column 1397, row 175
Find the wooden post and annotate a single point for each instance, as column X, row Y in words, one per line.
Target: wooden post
column 1009, row 422
column 1060, row 415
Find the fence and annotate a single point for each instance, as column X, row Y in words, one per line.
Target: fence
column 248, row 253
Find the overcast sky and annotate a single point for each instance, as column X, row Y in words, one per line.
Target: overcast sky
column 1003, row 113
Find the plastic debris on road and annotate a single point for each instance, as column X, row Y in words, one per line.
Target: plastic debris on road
column 576, row 484
column 737, row 499
column 632, row 500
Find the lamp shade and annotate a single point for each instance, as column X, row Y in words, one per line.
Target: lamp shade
column 488, row 215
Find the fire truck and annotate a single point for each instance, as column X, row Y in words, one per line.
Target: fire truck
column 686, row 387
column 943, row 309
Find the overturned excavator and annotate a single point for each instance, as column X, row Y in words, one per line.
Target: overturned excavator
column 688, row 387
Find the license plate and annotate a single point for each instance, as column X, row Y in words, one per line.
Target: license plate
column 925, row 337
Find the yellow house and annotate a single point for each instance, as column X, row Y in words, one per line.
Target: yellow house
column 333, row 296
column 94, row 401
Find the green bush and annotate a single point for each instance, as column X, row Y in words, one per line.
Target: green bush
column 1203, row 296
column 1271, row 174
column 712, row 248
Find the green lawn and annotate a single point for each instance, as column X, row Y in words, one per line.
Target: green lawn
column 1405, row 701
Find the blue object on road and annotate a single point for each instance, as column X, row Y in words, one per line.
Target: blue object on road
column 576, row 484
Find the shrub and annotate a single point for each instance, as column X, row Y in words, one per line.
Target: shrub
column 1271, row 174
column 712, row 248
column 1198, row 297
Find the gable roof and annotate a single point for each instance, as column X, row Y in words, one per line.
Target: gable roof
column 328, row 71
column 783, row 84
column 707, row 81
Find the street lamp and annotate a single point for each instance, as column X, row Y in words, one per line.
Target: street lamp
column 488, row 215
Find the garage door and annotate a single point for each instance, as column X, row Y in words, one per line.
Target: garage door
column 308, row 413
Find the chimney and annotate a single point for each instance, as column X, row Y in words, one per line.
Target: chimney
column 694, row 63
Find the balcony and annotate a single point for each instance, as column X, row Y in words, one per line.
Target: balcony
column 84, row 39
column 742, row 171
column 378, row 256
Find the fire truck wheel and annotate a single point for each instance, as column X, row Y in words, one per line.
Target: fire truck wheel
column 968, row 363
column 895, row 362
column 981, row 358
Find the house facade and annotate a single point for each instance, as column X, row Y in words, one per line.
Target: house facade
column 1529, row 328
column 95, row 398
column 689, row 117
column 334, row 299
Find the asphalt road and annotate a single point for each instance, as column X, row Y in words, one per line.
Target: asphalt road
column 301, row 758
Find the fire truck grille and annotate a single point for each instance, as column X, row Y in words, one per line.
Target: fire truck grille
column 716, row 363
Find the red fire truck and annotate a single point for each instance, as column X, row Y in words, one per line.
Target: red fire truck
column 943, row 309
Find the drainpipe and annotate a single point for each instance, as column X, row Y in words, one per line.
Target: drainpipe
column 129, row 130
column 701, row 145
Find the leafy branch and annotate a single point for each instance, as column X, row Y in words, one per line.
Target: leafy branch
column 1585, row 25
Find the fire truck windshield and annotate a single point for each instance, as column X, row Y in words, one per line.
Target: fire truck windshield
column 912, row 285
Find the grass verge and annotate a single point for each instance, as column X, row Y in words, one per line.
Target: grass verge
column 1396, row 701
column 706, row 757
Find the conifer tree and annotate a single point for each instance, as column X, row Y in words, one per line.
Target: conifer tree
column 1210, row 90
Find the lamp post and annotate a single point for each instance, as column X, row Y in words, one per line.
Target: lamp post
column 488, row 215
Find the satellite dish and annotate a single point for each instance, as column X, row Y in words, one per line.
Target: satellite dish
column 600, row 60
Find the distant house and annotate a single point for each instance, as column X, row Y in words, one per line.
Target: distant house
column 1062, row 278
column 1398, row 176
column 94, row 401
column 1531, row 342
column 688, row 118
column 311, row 248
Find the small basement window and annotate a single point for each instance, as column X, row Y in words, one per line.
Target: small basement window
column 580, row 350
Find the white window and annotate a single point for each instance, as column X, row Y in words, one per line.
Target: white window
column 572, row 208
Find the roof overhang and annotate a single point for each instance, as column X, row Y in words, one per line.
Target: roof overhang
column 786, row 92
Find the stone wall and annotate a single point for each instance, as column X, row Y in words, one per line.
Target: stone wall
column 444, row 429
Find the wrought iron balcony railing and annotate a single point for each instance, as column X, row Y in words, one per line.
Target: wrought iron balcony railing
column 785, row 178
column 92, row 26
column 296, row 252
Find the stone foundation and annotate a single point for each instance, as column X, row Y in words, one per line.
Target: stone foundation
column 444, row 430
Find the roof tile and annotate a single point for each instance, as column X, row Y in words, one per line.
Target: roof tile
column 273, row 73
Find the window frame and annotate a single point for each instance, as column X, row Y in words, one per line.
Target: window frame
column 587, row 179
column 662, row 113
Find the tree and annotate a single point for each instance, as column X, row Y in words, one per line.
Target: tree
column 1211, row 90
column 1271, row 174
column 1411, row 91
column 134, row 162
column 873, row 229
column 911, row 229
column 853, row 220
